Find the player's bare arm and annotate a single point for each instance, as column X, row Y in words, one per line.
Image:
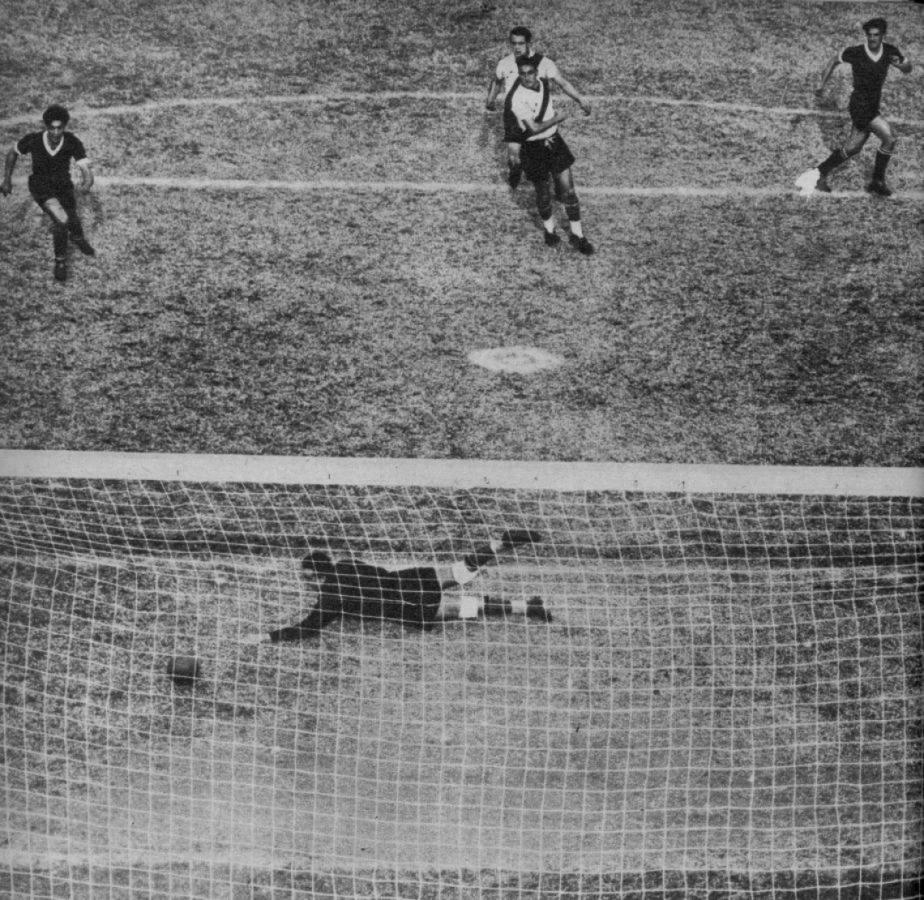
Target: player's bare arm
column 571, row 91
column 86, row 175
column 536, row 127
column 9, row 163
column 833, row 63
column 903, row 66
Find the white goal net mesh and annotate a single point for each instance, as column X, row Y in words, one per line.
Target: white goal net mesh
column 728, row 701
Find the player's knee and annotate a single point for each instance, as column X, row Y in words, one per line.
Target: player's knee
column 569, row 198
column 887, row 145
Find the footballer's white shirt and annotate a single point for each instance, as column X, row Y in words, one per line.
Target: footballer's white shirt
column 507, row 70
column 526, row 104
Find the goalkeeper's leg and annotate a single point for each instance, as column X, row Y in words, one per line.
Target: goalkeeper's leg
column 463, row 605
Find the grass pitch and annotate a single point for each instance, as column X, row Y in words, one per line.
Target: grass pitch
column 740, row 719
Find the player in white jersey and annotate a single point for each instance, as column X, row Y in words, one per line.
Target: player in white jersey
column 504, row 77
column 544, row 153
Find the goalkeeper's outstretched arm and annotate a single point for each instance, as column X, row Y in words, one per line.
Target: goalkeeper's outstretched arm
column 308, row 627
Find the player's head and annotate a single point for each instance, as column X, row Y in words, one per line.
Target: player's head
column 318, row 562
column 520, row 38
column 528, row 68
column 56, row 114
column 876, row 24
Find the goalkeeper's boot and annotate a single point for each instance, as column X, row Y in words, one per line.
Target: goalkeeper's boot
column 552, row 239
column 60, row 270
column 536, row 610
column 515, row 536
column 878, row 186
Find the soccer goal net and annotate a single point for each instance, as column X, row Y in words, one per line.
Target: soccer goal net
column 726, row 703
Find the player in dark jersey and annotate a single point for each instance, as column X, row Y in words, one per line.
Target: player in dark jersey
column 52, row 151
column 870, row 63
column 413, row 596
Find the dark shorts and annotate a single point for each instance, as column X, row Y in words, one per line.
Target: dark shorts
column 543, row 158
column 44, row 191
column 863, row 110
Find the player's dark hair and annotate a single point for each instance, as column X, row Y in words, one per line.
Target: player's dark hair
column 878, row 24
column 318, row 561
column 523, row 32
column 56, row 113
column 531, row 60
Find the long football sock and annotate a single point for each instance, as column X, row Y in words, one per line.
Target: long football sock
column 75, row 226
column 879, row 167
column 573, row 209
column 59, row 239
column 837, row 158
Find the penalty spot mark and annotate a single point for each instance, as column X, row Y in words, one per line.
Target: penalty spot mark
column 520, row 360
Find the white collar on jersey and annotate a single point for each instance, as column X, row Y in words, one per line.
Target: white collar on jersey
column 48, row 147
column 874, row 57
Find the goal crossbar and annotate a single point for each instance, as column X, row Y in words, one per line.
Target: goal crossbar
column 459, row 474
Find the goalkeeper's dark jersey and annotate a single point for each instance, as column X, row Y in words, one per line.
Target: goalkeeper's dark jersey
column 869, row 74
column 410, row 596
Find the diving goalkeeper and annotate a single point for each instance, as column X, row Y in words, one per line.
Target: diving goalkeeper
column 414, row 596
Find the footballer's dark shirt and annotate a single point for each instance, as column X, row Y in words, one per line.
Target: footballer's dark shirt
column 869, row 74
column 51, row 168
column 370, row 592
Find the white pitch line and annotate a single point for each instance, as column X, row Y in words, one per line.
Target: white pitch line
column 364, row 96
column 460, row 187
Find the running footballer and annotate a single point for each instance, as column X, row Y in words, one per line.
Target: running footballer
column 870, row 63
column 52, row 152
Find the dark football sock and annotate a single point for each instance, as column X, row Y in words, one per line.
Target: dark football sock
column 75, row 227
column 879, row 167
column 837, row 158
column 59, row 239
